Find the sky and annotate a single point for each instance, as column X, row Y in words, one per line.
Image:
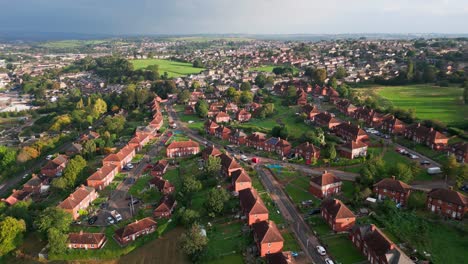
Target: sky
column 234, row 16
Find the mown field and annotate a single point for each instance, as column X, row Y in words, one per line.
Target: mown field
column 67, row 44
column 269, row 68
column 430, row 102
column 173, row 68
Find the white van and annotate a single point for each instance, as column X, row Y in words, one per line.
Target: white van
column 434, row 170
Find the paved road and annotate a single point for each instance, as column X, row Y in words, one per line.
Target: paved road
column 302, row 231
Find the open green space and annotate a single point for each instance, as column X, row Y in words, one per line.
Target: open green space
column 443, row 104
column 342, row 249
column 226, row 240
column 67, row 44
column 209, row 38
column 173, row 68
column 269, row 68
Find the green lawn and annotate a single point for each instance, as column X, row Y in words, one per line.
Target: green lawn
column 269, row 68
column 67, row 44
column 173, row 68
column 225, row 239
column 430, row 102
column 391, row 158
column 342, row 249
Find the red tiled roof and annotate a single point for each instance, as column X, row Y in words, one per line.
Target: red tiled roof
column 135, row 227
column 103, row 172
column 267, row 232
column 251, row 202
column 76, row 197
column 86, row 238
column 393, row 185
column 450, row 196
column 325, row 179
column 183, row 144
column 337, row 209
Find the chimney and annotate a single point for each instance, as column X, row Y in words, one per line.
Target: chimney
column 450, row 188
column 324, row 172
column 81, row 232
column 431, row 129
column 336, row 201
column 419, row 124
column 372, row 227
column 393, row 177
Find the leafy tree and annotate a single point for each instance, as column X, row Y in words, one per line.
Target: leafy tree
column 7, row 158
column 190, row 185
column 280, row 131
column 450, row 167
column 331, row 151
column 245, row 86
column 429, row 74
column 141, row 96
column 260, row 80
column 53, row 217
column 213, row 166
column 70, row 173
column 195, row 85
column 462, row 175
column 99, row 108
column 80, row 104
column 183, row 96
column 410, row 71
column 188, row 216
column 201, row 107
column 246, row 97
column 197, row 63
column 340, row 73
column 333, row 82
column 402, row 172
column 57, row 241
column 60, row 121
column 320, row 75
column 89, row 148
column 416, row 200
column 11, row 234
column 114, row 124
column 217, row 197
column 193, row 242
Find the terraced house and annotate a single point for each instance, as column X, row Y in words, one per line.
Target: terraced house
column 308, row 152
column 103, row 176
column 337, row 215
column 426, row 136
column 447, row 202
column 79, row 200
column 325, row 185
column 134, row 230
column 182, row 149
column 395, row 190
column 84, row 240
column 252, row 206
column 267, row 237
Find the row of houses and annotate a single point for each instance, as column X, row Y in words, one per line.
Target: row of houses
column 111, row 166
column 266, row 234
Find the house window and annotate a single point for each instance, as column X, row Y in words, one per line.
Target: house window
column 269, row 245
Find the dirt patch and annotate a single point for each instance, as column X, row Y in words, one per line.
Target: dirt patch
column 162, row 250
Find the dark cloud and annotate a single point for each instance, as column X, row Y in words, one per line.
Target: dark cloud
column 230, row 16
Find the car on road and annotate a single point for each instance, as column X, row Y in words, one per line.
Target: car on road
column 464, row 188
column 92, row 220
column 328, row 261
column 425, row 162
column 244, row 158
column 321, row 250
column 135, row 201
column 110, row 220
column 129, row 165
column 412, row 156
column 314, row 211
column 294, row 254
column 49, row 157
column 255, row 159
column 25, row 176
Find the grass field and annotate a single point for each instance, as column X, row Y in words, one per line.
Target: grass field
column 173, row 68
column 206, row 39
column 269, row 68
column 430, row 102
column 68, row 44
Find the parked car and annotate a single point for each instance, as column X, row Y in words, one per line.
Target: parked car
column 321, row 250
column 412, row 156
column 129, row 165
column 433, row 170
column 328, row 261
column 244, row 158
column 110, row 220
column 425, row 162
column 314, row 211
column 464, row 188
column 135, row 201
column 92, row 220
column 255, row 160
column 294, row 254
column 116, row 215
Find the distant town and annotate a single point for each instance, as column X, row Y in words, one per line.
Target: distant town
column 205, row 149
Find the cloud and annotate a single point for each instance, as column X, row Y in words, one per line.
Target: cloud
column 241, row 16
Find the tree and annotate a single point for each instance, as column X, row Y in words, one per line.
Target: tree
column 410, row 71
column 89, row 148
column 7, row 158
column 197, row 63
column 465, row 93
column 246, row 97
column 80, row 104
column 188, row 216
column 213, row 165
column 53, row 217
column 340, row 73
column 114, row 124
column 183, row 96
column 429, row 74
column 195, row 85
column 58, row 241
column 260, row 80
column 280, row 131
column 99, row 108
column 193, row 242
column 450, row 167
column 245, row 86
column 150, row 55
column 190, row 185
column 320, row 75
column 333, row 82
column 402, row 172
column 217, row 197
column 201, row 107
column 141, row 96
column 11, row 234
column 462, row 175
column 70, row 173
column 330, row 151
column 416, row 200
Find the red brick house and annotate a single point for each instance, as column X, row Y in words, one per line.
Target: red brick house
column 243, row 116
column 80, row 199
column 163, row 186
column 17, row 196
column 231, row 108
column 211, row 151
column 121, row 158
column 395, row 190
column 222, row 117
column 165, row 208
column 460, row 150
column 134, row 230
column 34, row 185
column 369, row 116
column 160, row 168
column 55, row 167
column 182, row 149
column 393, row 125
column 189, row 110
column 427, row 136
column 447, row 202
column 376, row 246
column 301, row 97
column 139, row 141
column 83, row 240
column 222, row 132
column 325, row 185
column 252, row 206
column 278, row 145
column 210, row 127
column 267, row 237
column 74, row 149
column 284, row 257
column 308, row 152
column 238, row 137
column 228, row 165
column 337, row 215
column 256, row 140
column 241, row 180
column 89, row 136
column 345, row 107
column 351, row 132
column 103, row 176
column 157, row 121
column 311, row 111
column 327, row 120
column 353, row 149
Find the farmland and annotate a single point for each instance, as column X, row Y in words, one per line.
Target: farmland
column 69, row 44
column 173, row 68
column 429, row 102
